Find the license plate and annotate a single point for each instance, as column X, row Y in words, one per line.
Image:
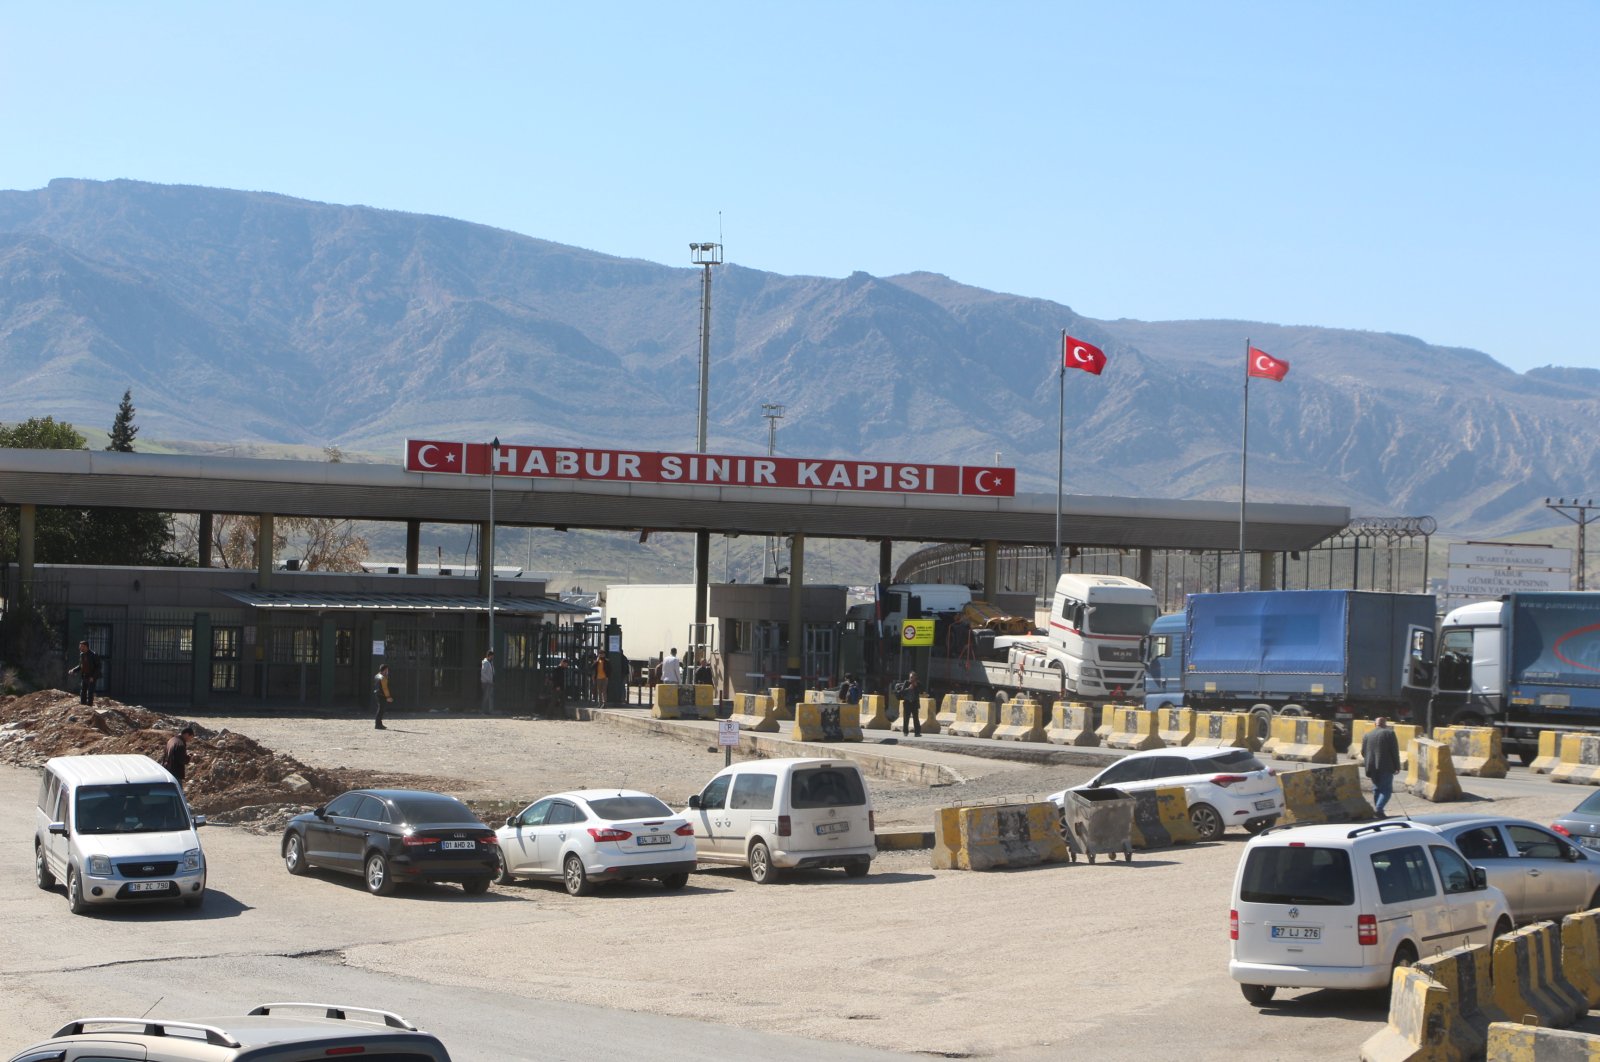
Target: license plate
column 834, row 827
column 654, row 838
column 457, row 846
column 1296, row 932
column 1266, row 805
column 148, row 886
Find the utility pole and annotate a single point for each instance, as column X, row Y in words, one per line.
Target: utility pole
column 1577, row 510
column 774, row 413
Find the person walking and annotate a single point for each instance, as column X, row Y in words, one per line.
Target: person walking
column 381, row 695
column 671, row 668
column 88, row 672
column 1380, row 751
column 176, row 756
column 910, row 705
column 600, row 690
column 486, row 681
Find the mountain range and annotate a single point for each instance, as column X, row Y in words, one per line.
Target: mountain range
column 253, row 318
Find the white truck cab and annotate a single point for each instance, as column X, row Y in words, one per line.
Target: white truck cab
column 1097, row 627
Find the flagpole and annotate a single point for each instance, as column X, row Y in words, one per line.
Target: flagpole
column 1244, row 459
column 1061, row 433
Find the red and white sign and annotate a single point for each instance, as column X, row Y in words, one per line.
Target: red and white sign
column 701, row 470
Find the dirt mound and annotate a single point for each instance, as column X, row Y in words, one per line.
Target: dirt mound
column 227, row 771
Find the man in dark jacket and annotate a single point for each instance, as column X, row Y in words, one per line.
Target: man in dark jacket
column 1380, row 750
column 88, row 672
column 176, row 758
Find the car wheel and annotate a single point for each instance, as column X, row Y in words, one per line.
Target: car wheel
column 1257, row 995
column 1405, row 955
column 294, row 855
column 762, row 872
column 1206, row 822
column 1501, row 928
column 502, row 873
column 75, row 901
column 858, row 868
column 575, row 877
column 475, row 886
column 379, row 883
column 675, row 881
column 196, row 900
column 41, row 869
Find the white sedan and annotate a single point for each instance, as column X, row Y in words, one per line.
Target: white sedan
column 1225, row 786
column 594, row 835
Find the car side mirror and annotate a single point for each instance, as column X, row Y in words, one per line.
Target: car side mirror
column 198, row 820
column 320, row 812
column 513, row 820
column 694, row 802
column 57, row 828
column 1480, row 878
column 1569, row 853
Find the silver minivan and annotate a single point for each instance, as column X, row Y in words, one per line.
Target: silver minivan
column 116, row 829
column 773, row 815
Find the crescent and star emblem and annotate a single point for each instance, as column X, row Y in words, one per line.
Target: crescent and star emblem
column 422, row 456
column 1263, row 363
column 1082, row 356
column 978, row 482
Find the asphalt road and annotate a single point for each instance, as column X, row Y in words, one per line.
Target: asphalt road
column 1111, row 961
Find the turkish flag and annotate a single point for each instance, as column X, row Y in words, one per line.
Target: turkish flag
column 995, row 482
column 1265, row 365
column 425, row 456
column 1076, row 354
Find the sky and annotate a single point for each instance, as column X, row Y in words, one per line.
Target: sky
column 1422, row 167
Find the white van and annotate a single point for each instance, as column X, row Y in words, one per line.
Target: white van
column 772, row 815
column 116, row 829
column 1341, row 906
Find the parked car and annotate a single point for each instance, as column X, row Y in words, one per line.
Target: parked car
column 1341, row 906
column 774, row 815
column 1582, row 823
column 275, row 1031
column 394, row 837
column 595, row 835
column 1543, row 874
column 115, row 830
column 1225, row 786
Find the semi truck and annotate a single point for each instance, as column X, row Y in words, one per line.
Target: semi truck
column 1090, row 650
column 1329, row 654
column 1527, row 662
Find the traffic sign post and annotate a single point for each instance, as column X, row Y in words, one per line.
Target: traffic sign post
column 728, row 738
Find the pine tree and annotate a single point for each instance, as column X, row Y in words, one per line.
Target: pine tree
column 123, row 429
column 126, row 536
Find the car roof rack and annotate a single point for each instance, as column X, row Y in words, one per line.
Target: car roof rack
column 1360, row 828
column 339, row 1012
column 1381, row 825
column 155, row 1027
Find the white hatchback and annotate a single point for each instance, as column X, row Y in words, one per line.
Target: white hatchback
column 594, row 835
column 1224, row 786
column 1337, row 905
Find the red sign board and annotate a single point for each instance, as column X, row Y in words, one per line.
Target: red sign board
column 701, row 470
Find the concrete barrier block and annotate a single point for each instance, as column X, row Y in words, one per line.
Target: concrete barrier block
column 1108, row 722
column 755, row 711
column 1020, row 719
column 1432, row 775
column 1580, row 760
column 975, row 719
column 780, row 703
column 1303, row 739
column 1415, row 1032
column 1464, row 974
column 1072, row 724
column 1522, row 984
column 930, row 715
column 947, row 839
column 1232, row 729
column 998, row 835
column 1514, row 1042
column 1405, row 734
column 947, row 710
column 1133, row 729
column 1324, row 794
column 1549, row 756
column 1161, row 818
column 1476, row 750
column 874, row 712
column 1580, row 954
column 1175, row 726
column 827, row 722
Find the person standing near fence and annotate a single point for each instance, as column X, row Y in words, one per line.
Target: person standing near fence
column 671, row 668
column 600, row 679
column 381, row 694
column 486, row 681
column 175, row 758
column 88, row 672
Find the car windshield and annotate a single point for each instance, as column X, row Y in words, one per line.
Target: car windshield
column 629, row 807
column 1590, row 806
column 827, row 787
column 152, row 807
column 1109, row 618
column 417, row 810
column 1310, row 877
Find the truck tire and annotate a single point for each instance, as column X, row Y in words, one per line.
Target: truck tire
column 1341, row 738
column 1262, row 727
column 1292, row 709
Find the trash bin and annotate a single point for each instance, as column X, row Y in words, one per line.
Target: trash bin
column 1098, row 820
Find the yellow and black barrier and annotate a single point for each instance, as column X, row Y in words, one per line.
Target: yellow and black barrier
column 1419, row 1013
column 1108, row 722
column 827, row 722
column 975, row 719
column 781, row 703
column 987, row 836
column 1432, row 775
column 1405, row 734
column 1133, row 729
column 1161, row 818
column 1175, row 726
column 1580, row 760
column 1021, row 719
column 755, row 711
column 1231, row 729
column 1549, row 757
column 948, row 704
column 929, row 715
column 1072, row 724
column 1580, row 954
column 1476, row 750
column 874, row 712
column 1465, row 974
column 682, row 702
column 1324, row 794
column 1527, row 980
column 1514, row 1042
column 1301, row 738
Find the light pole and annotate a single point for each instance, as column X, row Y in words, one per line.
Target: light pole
column 494, row 454
column 1577, row 510
column 774, row 413
column 704, row 255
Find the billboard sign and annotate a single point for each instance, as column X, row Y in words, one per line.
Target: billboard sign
column 1494, row 569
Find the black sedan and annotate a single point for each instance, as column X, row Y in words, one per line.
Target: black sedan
column 393, row 837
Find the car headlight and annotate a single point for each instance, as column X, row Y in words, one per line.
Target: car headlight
column 191, row 859
column 1091, row 673
column 100, row 866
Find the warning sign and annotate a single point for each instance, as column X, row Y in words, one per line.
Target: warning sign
column 916, row 632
